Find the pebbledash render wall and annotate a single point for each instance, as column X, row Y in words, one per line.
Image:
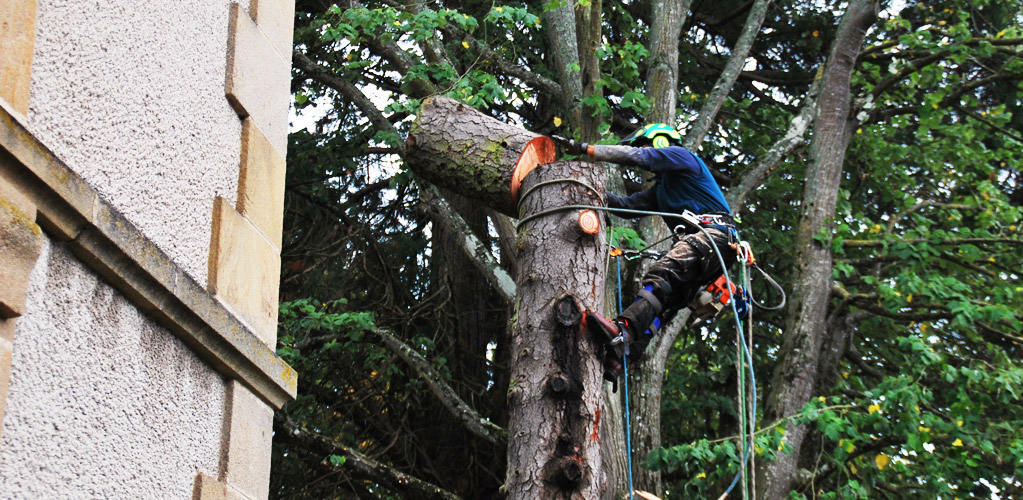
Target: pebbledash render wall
column 142, row 150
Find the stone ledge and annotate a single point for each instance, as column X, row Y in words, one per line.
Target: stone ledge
column 208, row 488
column 70, row 209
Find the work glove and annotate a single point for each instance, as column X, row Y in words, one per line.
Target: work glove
column 569, row 146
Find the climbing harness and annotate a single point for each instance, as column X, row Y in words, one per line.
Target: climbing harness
column 711, row 300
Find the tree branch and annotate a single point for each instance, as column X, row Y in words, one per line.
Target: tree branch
column 950, row 241
column 723, row 86
column 347, row 89
column 472, row 420
column 359, row 464
column 478, row 253
column 538, row 82
column 985, row 121
column 401, row 60
column 793, row 138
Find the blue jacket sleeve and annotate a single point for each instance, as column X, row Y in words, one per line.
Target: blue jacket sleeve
column 642, row 200
column 657, row 160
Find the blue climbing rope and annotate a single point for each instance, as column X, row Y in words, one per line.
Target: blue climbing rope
column 749, row 362
column 625, row 387
column 747, row 447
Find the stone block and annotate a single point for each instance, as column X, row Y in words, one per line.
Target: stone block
column 244, row 270
column 208, row 488
column 6, row 353
column 7, row 329
column 20, row 243
column 248, row 432
column 277, row 20
column 14, row 196
column 18, row 39
column 261, row 183
column 258, row 81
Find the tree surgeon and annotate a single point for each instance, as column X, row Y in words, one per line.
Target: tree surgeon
column 683, row 187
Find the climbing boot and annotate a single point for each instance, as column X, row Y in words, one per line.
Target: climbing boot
column 614, row 333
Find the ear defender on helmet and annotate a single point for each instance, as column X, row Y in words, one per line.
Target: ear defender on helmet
column 661, row 135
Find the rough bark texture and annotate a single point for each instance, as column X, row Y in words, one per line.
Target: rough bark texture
column 461, row 149
column 555, row 400
column 588, row 32
column 565, row 47
column 662, row 76
column 796, row 372
column 647, row 377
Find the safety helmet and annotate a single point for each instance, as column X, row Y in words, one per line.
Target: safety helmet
column 661, row 135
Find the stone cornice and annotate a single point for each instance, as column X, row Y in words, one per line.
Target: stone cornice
column 71, row 211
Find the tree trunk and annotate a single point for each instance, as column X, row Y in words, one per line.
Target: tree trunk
column 662, row 75
column 461, row 149
column 647, row 377
column 564, row 44
column 795, row 375
column 554, row 397
column 588, row 32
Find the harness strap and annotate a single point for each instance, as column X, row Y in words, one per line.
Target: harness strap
column 649, row 296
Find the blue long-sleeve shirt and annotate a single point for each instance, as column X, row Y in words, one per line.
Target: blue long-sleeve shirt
column 682, row 181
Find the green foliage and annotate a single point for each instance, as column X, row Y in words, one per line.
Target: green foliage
column 927, row 296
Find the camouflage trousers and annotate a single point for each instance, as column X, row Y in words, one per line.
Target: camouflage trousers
column 672, row 281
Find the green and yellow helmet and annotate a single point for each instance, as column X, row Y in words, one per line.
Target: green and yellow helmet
column 661, row 135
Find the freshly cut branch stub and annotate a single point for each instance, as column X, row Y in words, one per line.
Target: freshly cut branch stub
column 589, row 222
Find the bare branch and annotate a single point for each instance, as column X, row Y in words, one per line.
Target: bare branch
column 723, row 86
column 359, row 464
column 472, row 420
column 474, row 249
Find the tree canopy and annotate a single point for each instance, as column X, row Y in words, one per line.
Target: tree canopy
column 889, row 211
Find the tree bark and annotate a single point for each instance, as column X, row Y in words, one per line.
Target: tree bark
column 662, row 74
column 554, row 397
column 564, row 43
column 588, row 32
column 647, row 377
column 461, row 149
column 795, row 375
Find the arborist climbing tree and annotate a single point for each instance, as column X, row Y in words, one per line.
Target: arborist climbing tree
column 688, row 198
column 872, row 156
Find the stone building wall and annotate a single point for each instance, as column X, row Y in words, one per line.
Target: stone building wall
column 142, row 151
